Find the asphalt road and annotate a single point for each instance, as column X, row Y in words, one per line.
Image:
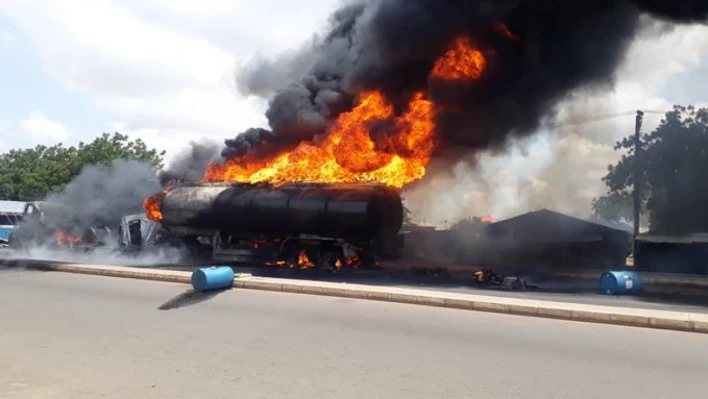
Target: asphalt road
column 76, row 336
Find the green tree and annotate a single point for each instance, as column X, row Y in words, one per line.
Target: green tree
column 615, row 207
column 33, row 173
column 674, row 163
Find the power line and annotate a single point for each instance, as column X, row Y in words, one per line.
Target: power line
column 597, row 118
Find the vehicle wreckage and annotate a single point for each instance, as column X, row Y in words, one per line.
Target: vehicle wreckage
column 490, row 279
column 53, row 225
column 305, row 225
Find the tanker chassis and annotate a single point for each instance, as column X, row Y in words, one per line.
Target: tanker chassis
column 305, row 225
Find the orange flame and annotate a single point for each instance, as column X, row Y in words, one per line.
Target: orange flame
column 348, row 153
column 64, row 239
column 304, row 262
column 461, row 62
column 279, row 263
column 152, row 205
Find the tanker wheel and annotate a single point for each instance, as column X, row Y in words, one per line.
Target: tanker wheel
column 330, row 262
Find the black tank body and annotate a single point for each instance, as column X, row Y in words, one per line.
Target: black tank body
column 353, row 210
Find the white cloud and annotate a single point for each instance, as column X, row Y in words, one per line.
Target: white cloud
column 163, row 68
column 42, row 129
column 6, row 37
column 35, row 128
column 102, row 47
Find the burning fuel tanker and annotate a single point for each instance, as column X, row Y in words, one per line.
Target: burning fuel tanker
column 294, row 224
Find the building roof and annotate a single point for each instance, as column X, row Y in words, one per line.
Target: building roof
column 694, row 238
column 546, row 225
column 12, row 206
column 545, row 214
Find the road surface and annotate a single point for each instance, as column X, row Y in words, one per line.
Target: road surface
column 77, row 336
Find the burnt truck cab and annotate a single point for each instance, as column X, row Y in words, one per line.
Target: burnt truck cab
column 51, row 223
column 138, row 233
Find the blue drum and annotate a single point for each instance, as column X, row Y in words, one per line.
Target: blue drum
column 213, row 278
column 620, row 283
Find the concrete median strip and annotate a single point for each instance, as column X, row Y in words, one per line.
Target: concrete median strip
column 692, row 322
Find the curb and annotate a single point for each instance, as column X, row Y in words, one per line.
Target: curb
column 169, row 276
column 668, row 320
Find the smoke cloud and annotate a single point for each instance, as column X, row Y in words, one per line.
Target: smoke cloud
column 560, row 167
column 391, row 46
column 100, row 195
column 108, row 255
column 190, row 163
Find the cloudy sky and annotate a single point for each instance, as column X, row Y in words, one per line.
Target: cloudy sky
column 162, row 70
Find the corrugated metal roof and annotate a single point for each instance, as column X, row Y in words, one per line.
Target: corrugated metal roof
column 12, row 206
column 547, row 212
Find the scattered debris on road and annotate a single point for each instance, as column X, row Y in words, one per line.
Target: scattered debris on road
column 488, row 278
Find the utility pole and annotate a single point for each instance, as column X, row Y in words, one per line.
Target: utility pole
column 637, row 173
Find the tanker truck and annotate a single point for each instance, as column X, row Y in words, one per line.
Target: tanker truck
column 304, row 225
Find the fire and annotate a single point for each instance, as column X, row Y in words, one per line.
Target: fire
column 488, row 219
column 461, row 62
column 152, row 205
column 279, row 263
column 371, row 143
column 304, row 262
column 64, row 239
column 348, row 153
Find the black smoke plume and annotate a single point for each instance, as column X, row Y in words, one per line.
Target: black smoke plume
column 391, row 46
column 189, row 165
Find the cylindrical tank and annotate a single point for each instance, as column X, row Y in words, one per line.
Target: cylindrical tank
column 212, row 278
column 358, row 211
column 620, row 283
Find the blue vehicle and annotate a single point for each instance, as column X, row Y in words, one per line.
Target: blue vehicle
column 8, row 224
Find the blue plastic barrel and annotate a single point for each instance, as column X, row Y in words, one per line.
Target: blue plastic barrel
column 620, row 283
column 212, row 278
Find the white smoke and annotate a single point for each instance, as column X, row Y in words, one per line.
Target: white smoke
column 104, row 255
